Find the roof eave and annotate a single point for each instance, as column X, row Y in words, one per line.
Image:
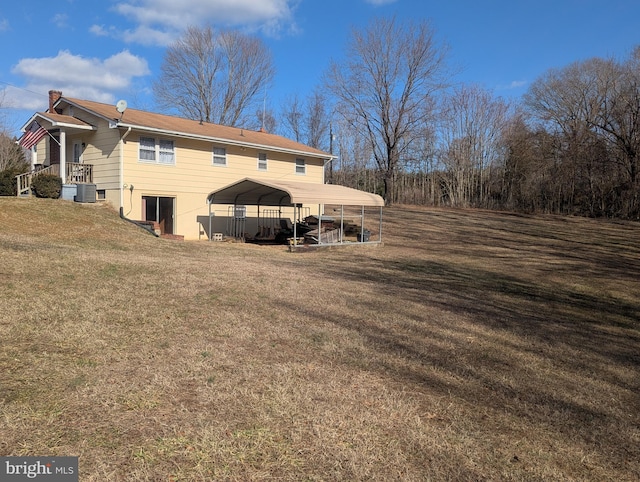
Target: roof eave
column 114, row 123
column 55, row 123
column 221, row 140
column 28, row 123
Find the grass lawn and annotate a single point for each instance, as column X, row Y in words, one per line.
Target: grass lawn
column 472, row 346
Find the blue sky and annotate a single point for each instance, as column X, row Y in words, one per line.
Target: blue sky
column 112, row 49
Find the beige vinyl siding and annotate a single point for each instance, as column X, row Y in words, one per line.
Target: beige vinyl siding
column 43, row 151
column 112, row 196
column 191, row 177
column 194, row 170
column 194, row 176
column 102, row 151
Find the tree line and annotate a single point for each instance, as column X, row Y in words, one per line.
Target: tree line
column 399, row 125
column 391, row 112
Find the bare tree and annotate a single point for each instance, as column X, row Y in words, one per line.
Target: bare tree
column 384, row 85
column 292, row 117
column 354, row 163
column 307, row 120
column 317, row 121
column 266, row 120
column 472, row 124
column 12, row 156
column 593, row 107
column 12, row 162
column 214, row 76
column 619, row 121
column 420, row 178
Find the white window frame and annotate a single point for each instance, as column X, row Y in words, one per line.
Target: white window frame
column 163, row 151
column 262, row 161
column 166, row 152
column 301, row 167
column 144, row 145
column 220, row 154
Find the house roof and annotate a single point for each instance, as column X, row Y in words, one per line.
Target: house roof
column 172, row 125
column 289, row 193
column 58, row 120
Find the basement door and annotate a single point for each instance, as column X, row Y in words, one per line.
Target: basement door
column 160, row 210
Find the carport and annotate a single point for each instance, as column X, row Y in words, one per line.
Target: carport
column 292, row 194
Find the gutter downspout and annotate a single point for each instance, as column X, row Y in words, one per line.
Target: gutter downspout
column 324, row 168
column 121, row 148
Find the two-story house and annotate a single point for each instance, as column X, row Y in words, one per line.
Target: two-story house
column 161, row 168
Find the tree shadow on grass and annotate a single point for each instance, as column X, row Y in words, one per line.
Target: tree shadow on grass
column 549, row 313
column 504, row 313
column 584, row 338
column 438, row 361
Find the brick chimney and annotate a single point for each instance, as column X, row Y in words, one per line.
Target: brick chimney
column 54, row 95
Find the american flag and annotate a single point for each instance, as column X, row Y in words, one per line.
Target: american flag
column 33, row 135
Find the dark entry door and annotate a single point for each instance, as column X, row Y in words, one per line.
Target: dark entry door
column 160, row 210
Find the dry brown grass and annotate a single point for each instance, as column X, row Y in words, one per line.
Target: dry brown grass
column 471, row 346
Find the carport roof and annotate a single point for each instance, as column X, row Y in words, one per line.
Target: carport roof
column 289, row 193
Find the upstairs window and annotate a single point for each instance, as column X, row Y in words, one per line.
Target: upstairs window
column 147, row 149
column 219, row 156
column 161, row 152
column 301, row 167
column 166, row 152
column 262, row 162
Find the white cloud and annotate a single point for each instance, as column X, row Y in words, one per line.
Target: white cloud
column 60, row 20
column 18, row 98
column 99, row 31
column 515, row 84
column 158, row 22
column 4, row 24
column 145, row 35
column 75, row 76
column 193, row 12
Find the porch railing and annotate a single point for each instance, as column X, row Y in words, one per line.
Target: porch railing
column 79, row 173
column 75, row 174
column 24, row 180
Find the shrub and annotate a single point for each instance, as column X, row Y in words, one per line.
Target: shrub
column 46, row 185
column 8, row 182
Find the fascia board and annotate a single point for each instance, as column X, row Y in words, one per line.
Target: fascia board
column 219, row 140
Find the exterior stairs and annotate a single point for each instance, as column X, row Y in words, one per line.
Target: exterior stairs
column 25, row 180
column 77, row 173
